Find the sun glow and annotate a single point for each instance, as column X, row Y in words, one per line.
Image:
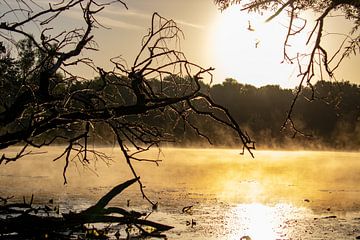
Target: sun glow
column 250, row 50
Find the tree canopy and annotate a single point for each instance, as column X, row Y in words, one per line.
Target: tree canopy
column 330, row 121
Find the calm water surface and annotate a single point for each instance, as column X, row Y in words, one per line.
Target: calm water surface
column 278, row 195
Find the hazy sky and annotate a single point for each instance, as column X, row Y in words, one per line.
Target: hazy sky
column 212, row 38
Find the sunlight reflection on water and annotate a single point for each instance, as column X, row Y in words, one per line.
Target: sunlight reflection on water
column 258, row 221
column 278, row 195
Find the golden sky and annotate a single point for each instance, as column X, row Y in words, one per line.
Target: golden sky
column 212, row 38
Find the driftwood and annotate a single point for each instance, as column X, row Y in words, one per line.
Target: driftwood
column 25, row 220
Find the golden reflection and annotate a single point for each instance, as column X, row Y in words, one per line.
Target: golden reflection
column 259, row 222
column 328, row 180
column 262, row 222
column 274, row 196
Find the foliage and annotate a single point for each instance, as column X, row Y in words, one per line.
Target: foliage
column 328, row 113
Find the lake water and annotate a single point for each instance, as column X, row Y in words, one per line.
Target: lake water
column 278, row 195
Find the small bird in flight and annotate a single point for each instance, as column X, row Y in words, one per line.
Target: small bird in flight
column 250, row 27
column 257, row 42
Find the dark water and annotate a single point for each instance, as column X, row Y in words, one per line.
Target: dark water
column 277, row 195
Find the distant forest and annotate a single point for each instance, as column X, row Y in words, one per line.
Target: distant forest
column 328, row 114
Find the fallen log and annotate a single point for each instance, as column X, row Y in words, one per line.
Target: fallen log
column 23, row 221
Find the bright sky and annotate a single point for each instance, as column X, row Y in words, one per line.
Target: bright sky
column 220, row 40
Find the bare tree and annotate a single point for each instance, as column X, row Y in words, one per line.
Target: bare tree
column 319, row 60
column 48, row 102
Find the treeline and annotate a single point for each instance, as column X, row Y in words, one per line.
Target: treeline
column 328, row 114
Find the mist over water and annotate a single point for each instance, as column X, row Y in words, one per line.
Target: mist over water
column 231, row 194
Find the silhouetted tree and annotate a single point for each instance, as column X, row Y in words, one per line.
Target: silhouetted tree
column 44, row 101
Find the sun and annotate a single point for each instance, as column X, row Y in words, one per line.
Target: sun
column 250, row 50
